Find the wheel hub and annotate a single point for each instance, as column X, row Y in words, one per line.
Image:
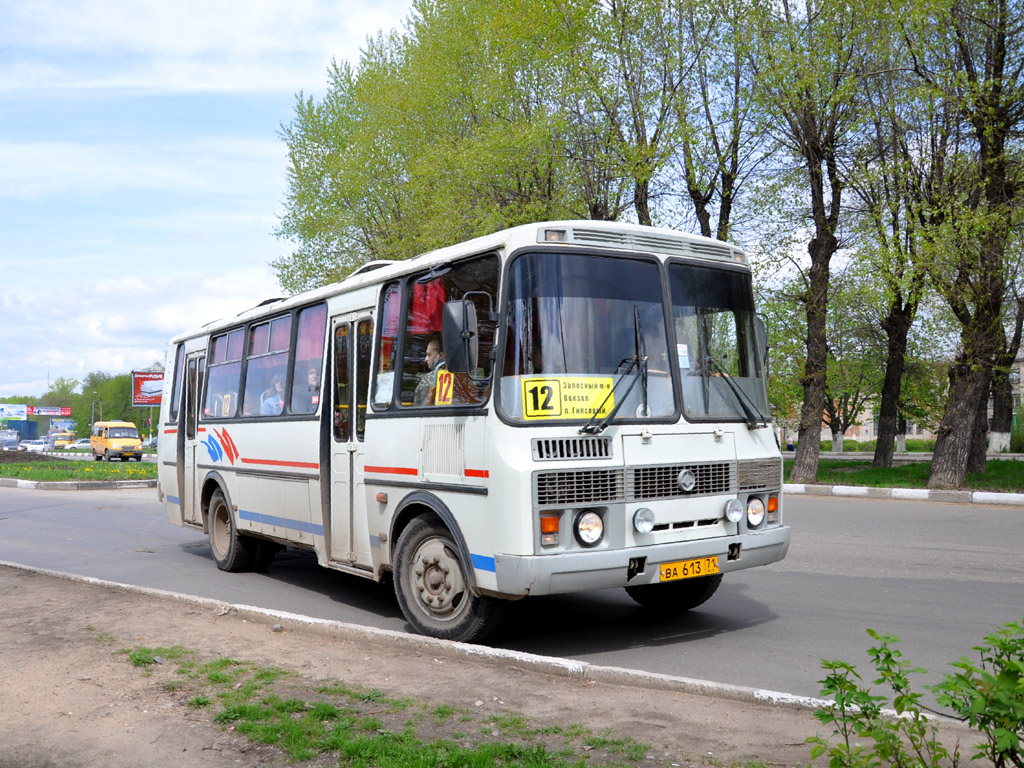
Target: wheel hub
column 437, row 579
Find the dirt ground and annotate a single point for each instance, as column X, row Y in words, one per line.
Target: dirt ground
column 68, row 698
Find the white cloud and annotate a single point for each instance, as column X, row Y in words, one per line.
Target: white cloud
column 195, row 45
column 129, row 212
column 34, row 169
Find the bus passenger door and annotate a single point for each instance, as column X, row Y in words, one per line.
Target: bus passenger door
column 349, row 539
column 194, row 375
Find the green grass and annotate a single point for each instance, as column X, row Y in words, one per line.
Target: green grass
column 1006, row 476
column 59, row 470
column 354, row 726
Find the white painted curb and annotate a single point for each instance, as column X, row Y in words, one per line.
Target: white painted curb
column 446, row 648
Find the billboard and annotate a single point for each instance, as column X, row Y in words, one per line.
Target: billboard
column 147, row 387
column 49, row 410
column 10, row 411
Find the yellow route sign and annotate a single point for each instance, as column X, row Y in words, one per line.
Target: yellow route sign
column 567, row 397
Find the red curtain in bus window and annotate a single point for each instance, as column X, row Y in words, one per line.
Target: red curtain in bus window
column 389, row 328
column 427, row 305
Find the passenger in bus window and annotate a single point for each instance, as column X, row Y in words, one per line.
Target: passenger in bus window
column 434, row 360
column 310, row 398
column 273, row 398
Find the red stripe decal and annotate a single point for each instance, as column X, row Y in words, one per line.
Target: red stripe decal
column 276, row 463
column 393, row 470
column 170, row 431
column 477, row 473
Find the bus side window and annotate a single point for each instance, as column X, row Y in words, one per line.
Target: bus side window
column 387, row 360
column 425, row 382
column 309, row 359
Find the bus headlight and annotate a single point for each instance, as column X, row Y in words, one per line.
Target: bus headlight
column 755, row 513
column 733, row 510
column 589, row 528
column 643, row 520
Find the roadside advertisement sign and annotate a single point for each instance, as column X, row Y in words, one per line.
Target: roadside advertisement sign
column 62, row 425
column 147, row 387
column 10, row 411
column 49, row 410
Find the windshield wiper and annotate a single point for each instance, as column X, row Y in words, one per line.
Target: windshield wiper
column 755, row 419
column 638, row 361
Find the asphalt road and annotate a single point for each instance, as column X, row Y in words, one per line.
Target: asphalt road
column 938, row 575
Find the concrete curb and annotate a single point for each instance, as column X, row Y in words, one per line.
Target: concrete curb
column 76, row 485
column 444, row 648
column 907, row 494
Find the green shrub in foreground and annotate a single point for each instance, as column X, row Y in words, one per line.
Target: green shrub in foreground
column 987, row 695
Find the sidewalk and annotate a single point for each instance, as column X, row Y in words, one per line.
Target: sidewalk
column 70, row 697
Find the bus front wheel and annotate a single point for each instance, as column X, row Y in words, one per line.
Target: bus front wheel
column 678, row 596
column 231, row 551
column 433, row 590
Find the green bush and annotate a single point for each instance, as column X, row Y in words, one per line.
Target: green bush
column 1017, row 433
column 989, row 696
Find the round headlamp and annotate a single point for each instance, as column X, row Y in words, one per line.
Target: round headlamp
column 643, row 520
column 588, row 528
column 755, row 513
column 733, row 510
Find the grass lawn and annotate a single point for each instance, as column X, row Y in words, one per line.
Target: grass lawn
column 1006, row 476
column 35, row 466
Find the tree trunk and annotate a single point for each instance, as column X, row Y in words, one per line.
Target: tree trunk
column 1002, row 390
column 968, row 385
column 641, row 200
column 976, row 458
column 805, row 464
column 897, row 325
column 837, row 442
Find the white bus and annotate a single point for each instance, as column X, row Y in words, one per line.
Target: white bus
column 557, row 407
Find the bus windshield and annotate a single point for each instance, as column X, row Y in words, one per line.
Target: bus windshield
column 577, row 329
column 716, row 350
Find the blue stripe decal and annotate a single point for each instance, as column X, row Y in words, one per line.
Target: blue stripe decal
column 281, row 522
column 482, row 563
column 173, row 500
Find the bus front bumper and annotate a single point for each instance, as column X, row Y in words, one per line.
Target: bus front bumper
column 604, row 569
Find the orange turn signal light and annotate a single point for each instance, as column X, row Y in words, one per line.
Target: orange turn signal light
column 773, row 503
column 549, row 525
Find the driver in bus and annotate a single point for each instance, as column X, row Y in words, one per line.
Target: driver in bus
column 434, row 359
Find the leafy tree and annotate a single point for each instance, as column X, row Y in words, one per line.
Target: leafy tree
column 856, row 350
column 969, row 52
column 808, row 58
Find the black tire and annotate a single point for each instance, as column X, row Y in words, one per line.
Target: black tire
column 676, row 596
column 433, row 590
column 97, row 457
column 266, row 551
column 231, row 551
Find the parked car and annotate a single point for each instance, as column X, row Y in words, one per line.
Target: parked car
column 36, row 446
column 149, row 442
column 81, row 444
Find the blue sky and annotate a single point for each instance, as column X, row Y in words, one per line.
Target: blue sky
column 141, row 171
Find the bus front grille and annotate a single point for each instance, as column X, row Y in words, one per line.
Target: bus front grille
column 586, row 486
column 662, row 482
column 758, row 474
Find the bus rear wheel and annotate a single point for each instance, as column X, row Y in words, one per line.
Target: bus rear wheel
column 232, row 551
column 677, row 596
column 432, row 587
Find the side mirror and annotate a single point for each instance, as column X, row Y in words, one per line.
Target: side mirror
column 459, row 336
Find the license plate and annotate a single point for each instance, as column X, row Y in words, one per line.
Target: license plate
column 688, row 569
